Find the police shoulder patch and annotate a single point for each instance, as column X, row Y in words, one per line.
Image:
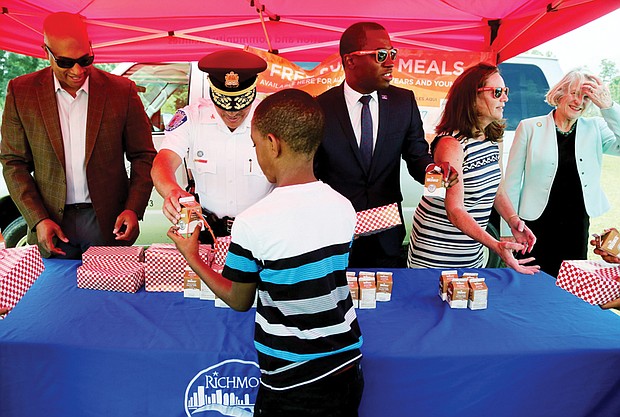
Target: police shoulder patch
column 177, row 120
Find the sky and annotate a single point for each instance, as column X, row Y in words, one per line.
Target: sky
column 588, row 45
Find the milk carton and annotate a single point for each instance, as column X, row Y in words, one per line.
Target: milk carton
column 609, row 242
column 458, row 293
column 478, row 294
column 368, row 290
column 355, row 291
column 191, row 283
column 191, row 216
column 434, row 184
column 384, row 286
column 205, row 292
column 444, row 281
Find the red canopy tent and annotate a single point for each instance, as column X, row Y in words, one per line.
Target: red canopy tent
column 155, row 30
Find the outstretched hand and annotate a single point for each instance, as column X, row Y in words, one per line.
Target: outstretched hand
column 505, row 251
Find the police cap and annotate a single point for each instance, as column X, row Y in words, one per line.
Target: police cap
column 232, row 77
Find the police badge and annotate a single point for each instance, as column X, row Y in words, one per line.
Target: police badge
column 232, row 80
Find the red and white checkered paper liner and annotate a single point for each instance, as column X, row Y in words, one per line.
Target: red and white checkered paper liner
column 596, row 282
column 108, row 275
column 19, row 269
column 221, row 250
column 114, row 253
column 171, row 281
column 165, row 266
column 377, row 219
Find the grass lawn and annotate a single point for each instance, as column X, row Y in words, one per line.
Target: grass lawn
column 610, row 180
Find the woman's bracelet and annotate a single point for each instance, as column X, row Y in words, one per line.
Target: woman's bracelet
column 511, row 217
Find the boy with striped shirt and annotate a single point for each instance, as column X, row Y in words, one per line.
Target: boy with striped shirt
column 293, row 246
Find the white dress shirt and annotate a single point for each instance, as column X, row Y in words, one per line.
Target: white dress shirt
column 354, row 106
column 73, row 114
column 224, row 163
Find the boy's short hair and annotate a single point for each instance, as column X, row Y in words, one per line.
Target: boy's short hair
column 293, row 116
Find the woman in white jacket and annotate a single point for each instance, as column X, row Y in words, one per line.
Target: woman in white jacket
column 554, row 168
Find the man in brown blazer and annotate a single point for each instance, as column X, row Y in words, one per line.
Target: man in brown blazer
column 65, row 132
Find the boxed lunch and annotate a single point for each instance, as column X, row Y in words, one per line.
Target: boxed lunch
column 377, row 219
column 596, row 282
column 19, row 269
column 107, row 275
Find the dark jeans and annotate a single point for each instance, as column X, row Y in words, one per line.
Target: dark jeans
column 82, row 229
column 333, row 396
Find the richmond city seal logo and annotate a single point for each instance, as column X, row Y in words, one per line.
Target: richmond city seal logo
column 226, row 389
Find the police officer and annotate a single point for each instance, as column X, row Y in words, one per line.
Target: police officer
column 213, row 136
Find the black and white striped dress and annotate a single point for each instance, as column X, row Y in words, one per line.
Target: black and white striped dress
column 437, row 243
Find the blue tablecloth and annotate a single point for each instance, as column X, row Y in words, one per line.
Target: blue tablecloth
column 536, row 351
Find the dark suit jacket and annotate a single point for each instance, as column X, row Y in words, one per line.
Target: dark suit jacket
column 32, row 152
column 400, row 135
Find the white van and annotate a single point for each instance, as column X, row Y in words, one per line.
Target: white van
column 165, row 87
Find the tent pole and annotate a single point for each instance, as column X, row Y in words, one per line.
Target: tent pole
column 262, row 22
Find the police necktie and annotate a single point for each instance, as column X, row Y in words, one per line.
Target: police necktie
column 366, row 136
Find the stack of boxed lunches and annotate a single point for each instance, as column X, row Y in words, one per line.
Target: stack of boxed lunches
column 112, row 268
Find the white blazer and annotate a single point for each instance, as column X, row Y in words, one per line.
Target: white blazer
column 533, row 161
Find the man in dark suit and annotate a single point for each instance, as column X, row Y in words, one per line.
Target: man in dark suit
column 368, row 58
column 65, row 132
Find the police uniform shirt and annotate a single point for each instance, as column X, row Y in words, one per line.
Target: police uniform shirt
column 224, row 164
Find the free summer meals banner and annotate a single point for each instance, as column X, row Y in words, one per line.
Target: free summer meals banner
column 429, row 74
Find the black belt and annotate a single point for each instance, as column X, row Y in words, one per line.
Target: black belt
column 221, row 225
column 78, row 206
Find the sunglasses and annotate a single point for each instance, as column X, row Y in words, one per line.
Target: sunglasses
column 497, row 91
column 66, row 63
column 380, row 54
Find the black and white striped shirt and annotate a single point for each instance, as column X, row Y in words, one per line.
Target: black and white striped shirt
column 295, row 244
column 435, row 242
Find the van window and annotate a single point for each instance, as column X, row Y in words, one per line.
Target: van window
column 528, row 86
column 163, row 88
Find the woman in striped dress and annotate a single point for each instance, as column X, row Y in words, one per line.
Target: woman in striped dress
column 450, row 232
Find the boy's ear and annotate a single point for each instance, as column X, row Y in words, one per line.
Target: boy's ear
column 275, row 143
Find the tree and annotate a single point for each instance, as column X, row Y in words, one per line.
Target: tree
column 548, row 54
column 13, row 65
column 609, row 75
column 608, row 70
